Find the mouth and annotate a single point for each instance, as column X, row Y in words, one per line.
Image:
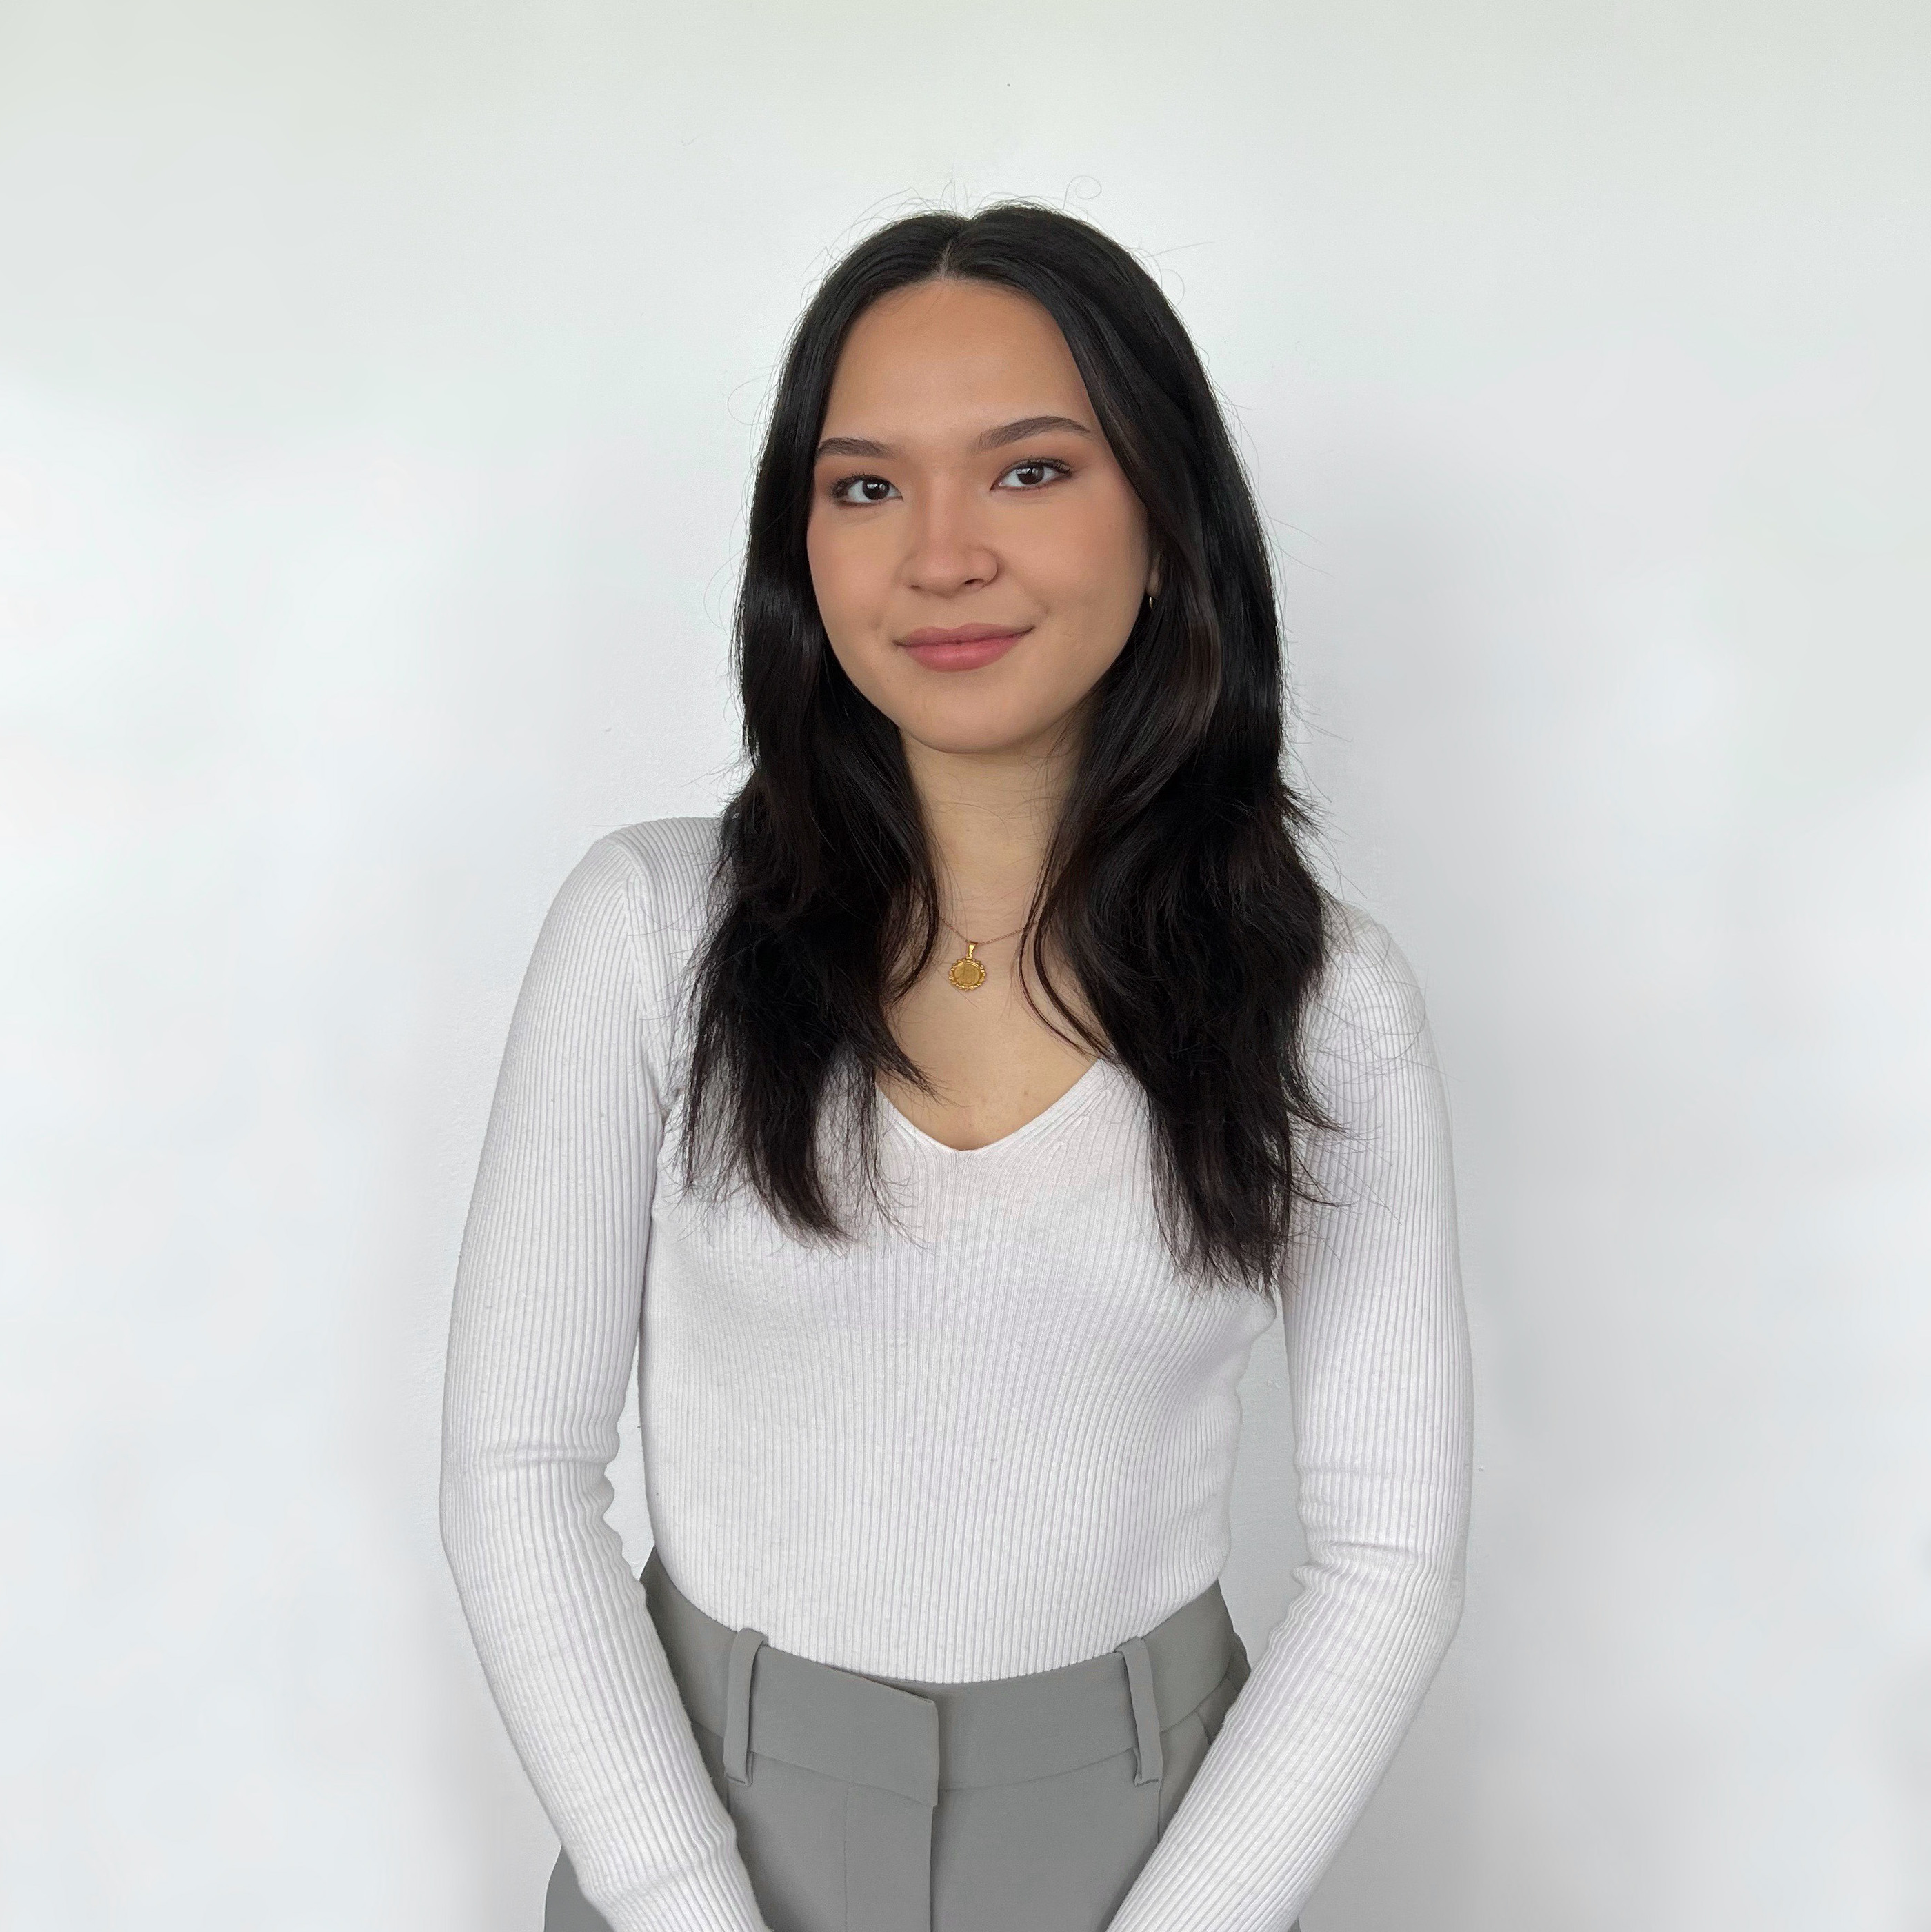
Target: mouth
column 966, row 647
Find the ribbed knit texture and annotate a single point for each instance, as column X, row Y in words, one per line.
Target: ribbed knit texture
column 995, row 1437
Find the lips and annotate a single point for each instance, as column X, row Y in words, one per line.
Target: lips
column 963, row 647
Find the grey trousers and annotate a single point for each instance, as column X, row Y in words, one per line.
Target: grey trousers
column 883, row 1805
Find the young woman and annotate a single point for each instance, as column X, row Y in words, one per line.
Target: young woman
column 946, row 1121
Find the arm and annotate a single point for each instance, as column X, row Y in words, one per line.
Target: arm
column 542, row 1336
column 1378, row 1368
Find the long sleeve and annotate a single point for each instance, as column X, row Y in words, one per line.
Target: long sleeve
column 1379, row 1373
column 547, row 1303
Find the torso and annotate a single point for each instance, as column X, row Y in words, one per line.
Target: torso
column 991, row 1432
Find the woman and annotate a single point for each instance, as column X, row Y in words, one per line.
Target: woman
column 949, row 1119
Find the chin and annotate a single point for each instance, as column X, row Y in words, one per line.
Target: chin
column 969, row 728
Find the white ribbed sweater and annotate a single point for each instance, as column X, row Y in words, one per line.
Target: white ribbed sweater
column 995, row 1440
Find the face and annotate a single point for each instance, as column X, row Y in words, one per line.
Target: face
column 977, row 555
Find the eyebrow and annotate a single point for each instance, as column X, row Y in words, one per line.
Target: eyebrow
column 993, row 439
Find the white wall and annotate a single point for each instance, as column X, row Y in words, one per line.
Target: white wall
column 378, row 384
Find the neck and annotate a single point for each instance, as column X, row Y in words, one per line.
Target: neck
column 991, row 816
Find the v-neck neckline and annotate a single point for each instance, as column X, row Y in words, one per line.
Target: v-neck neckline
column 1054, row 1110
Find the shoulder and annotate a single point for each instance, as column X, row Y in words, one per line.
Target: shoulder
column 668, row 864
column 1367, row 996
column 1370, row 1055
column 649, row 883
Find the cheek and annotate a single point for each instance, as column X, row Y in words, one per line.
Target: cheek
column 821, row 554
column 850, row 606
column 1098, row 566
column 851, row 581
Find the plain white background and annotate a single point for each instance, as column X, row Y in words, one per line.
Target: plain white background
column 378, row 389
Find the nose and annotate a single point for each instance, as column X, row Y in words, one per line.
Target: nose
column 947, row 552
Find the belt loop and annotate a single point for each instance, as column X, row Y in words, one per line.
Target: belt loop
column 1145, row 1712
column 737, row 1705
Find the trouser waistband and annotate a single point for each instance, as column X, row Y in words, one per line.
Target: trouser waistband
column 902, row 1734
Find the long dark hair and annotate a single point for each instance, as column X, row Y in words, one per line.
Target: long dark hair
column 1173, row 888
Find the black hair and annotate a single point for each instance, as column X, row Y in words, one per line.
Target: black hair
column 1174, row 888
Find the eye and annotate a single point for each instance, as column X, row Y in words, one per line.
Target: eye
column 1037, row 471
column 861, row 490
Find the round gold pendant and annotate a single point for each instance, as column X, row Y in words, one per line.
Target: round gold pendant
column 968, row 974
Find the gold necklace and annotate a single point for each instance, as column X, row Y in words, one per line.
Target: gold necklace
column 968, row 974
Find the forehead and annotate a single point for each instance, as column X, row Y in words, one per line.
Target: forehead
column 956, row 354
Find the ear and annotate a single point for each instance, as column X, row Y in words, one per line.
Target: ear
column 1154, row 578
